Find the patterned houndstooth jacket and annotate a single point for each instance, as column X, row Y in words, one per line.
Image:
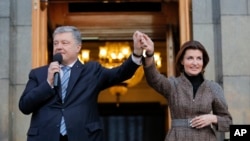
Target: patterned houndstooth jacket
column 178, row 92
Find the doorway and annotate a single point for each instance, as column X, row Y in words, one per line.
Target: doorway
column 133, row 121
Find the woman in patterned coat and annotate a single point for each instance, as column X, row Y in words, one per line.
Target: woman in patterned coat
column 197, row 105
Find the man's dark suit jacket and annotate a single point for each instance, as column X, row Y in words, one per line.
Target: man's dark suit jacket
column 80, row 108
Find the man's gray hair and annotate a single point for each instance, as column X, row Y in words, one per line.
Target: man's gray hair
column 75, row 32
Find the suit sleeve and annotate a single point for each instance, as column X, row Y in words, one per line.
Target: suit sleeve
column 35, row 94
column 118, row 74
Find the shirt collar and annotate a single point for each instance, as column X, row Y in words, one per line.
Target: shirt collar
column 70, row 65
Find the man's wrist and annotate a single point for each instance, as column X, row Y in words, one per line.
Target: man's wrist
column 51, row 85
column 136, row 55
column 137, row 60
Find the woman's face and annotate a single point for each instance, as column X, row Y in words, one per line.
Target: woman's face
column 192, row 62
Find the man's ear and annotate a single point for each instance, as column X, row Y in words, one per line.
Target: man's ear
column 79, row 47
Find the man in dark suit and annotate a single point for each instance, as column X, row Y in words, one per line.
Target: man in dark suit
column 74, row 117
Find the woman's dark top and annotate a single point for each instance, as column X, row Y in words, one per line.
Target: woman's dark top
column 195, row 81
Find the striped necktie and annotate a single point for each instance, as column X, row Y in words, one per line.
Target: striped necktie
column 64, row 85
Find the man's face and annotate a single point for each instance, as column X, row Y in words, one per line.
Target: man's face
column 65, row 44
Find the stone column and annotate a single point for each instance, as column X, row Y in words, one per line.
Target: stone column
column 235, row 30
column 5, row 68
column 19, row 65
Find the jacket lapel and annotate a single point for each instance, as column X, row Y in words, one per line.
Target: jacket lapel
column 74, row 75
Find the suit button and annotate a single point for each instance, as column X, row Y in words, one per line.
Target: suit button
column 62, row 110
column 57, row 125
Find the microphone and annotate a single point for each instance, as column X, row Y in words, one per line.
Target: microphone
column 57, row 57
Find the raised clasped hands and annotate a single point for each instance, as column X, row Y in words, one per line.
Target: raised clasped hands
column 142, row 43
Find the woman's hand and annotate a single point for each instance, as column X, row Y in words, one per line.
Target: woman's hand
column 203, row 121
column 147, row 44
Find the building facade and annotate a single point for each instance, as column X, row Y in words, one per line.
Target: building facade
column 221, row 25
